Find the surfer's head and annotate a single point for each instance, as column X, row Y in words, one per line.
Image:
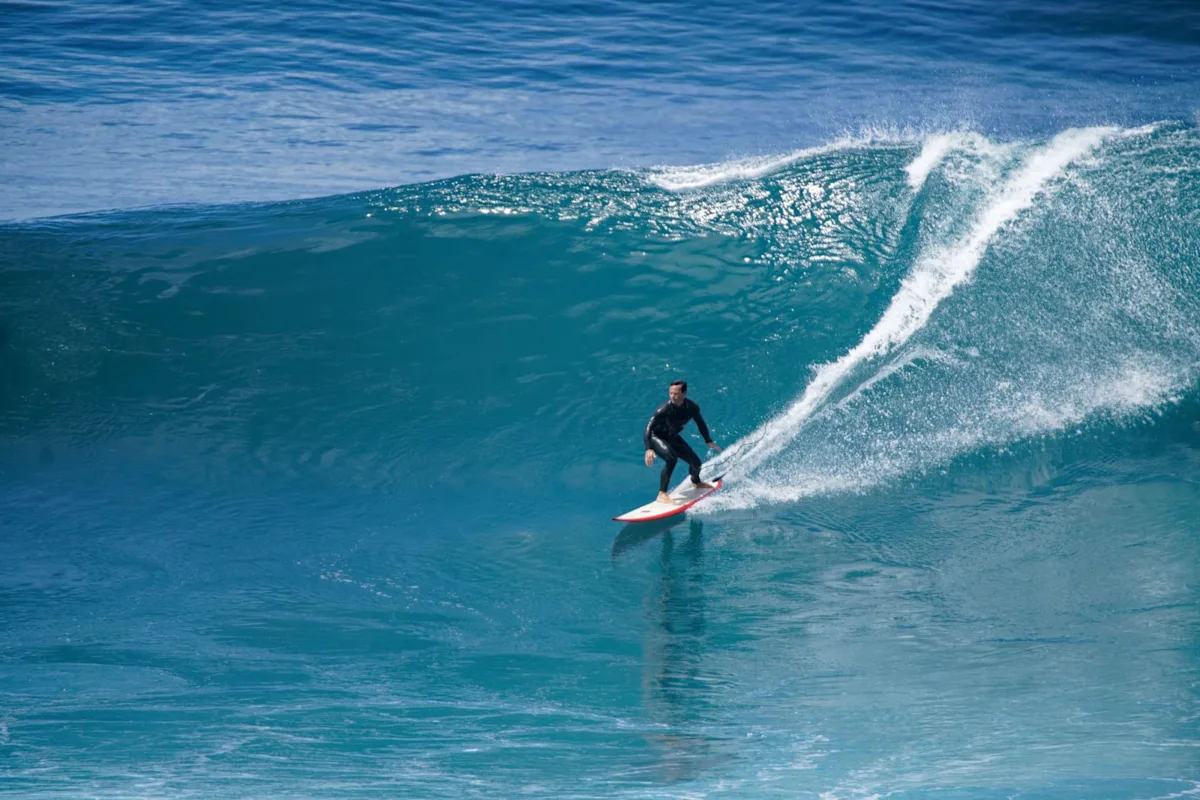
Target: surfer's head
column 678, row 391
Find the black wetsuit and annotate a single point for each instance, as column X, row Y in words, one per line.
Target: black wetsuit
column 662, row 436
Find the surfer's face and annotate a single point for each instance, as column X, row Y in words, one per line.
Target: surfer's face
column 677, row 394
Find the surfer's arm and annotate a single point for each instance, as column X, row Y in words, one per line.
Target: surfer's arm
column 702, row 425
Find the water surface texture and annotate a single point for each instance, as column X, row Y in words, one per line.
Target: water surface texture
column 309, row 496
column 118, row 104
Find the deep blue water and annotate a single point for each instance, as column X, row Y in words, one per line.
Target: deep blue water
column 130, row 104
column 307, row 494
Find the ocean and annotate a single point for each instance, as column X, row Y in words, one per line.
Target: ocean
column 328, row 335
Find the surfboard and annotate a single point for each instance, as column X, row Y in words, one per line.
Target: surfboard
column 685, row 496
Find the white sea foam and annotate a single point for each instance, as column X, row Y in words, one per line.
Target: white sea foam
column 935, row 276
column 937, row 146
column 1133, row 384
column 699, row 176
column 934, row 149
column 677, row 179
column 896, row 366
column 932, row 153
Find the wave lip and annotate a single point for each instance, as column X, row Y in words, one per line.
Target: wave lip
column 937, row 146
column 700, row 176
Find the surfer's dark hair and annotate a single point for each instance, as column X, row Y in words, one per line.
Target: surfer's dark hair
column 680, row 384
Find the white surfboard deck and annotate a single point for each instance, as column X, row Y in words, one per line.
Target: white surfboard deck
column 685, row 496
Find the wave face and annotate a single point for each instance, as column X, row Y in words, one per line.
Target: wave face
column 311, row 498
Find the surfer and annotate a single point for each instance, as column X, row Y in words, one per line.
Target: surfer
column 662, row 438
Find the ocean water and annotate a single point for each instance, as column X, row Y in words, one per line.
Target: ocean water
column 327, row 337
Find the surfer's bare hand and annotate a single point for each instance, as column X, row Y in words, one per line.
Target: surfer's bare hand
column 714, row 446
column 649, row 458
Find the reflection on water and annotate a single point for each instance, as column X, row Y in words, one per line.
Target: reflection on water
column 678, row 688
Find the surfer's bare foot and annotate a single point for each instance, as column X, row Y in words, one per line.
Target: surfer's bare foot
column 702, row 485
column 663, row 497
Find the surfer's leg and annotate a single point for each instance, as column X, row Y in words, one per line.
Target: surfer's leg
column 680, row 446
column 669, row 458
column 688, row 455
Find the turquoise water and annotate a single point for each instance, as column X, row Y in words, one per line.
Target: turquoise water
column 310, row 497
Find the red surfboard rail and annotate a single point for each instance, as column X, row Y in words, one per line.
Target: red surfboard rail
column 670, row 512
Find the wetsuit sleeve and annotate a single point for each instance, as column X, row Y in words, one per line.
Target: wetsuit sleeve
column 658, row 412
column 700, row 423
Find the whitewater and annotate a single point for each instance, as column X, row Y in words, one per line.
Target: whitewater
column 939, row 269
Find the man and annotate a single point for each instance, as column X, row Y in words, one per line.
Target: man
column 662, row 438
